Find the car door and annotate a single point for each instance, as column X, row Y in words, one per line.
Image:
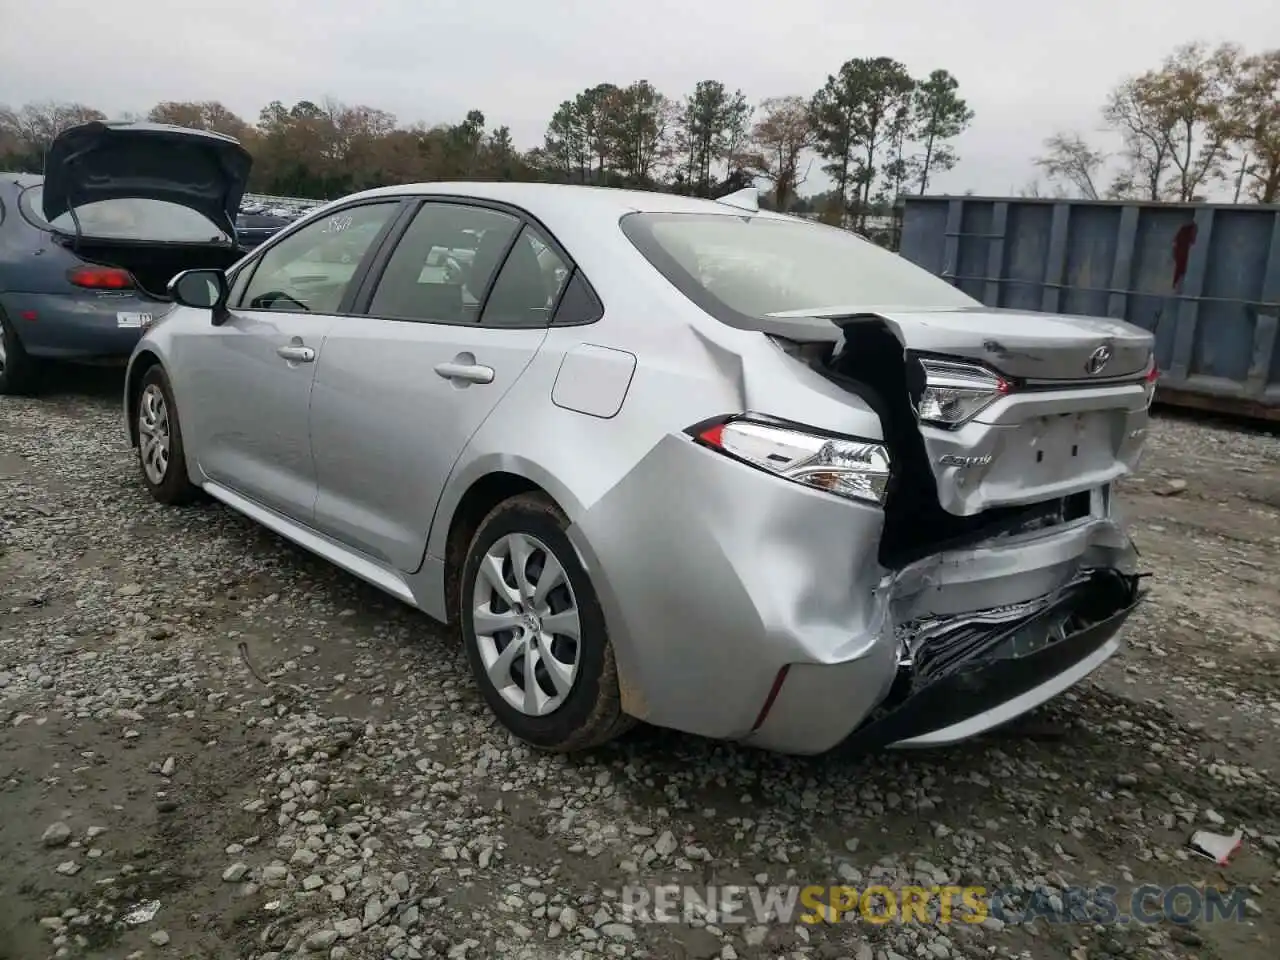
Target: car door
column 248, row 381
column 459, row 311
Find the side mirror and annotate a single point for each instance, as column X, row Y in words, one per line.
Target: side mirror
column 202, row 289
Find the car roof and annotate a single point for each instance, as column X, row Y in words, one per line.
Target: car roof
column 558, row 199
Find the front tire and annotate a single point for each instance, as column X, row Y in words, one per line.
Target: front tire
column 19, row 372
column 161, row 456
column 535, row 633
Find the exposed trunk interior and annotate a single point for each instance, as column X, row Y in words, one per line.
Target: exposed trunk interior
column 916, row 525
column 153, row 265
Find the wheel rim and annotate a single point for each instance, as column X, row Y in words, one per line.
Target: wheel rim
column 153, row 433
column 526, row 624
column 3, row 355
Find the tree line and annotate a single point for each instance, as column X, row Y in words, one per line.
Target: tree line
column 1207, row 119
column 876, row 130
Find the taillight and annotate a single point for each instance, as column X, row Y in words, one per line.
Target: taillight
column 846, row 466
column 101, row 278
column 1153, row 375
column 955, row 393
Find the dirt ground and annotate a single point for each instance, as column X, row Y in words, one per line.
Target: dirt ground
column 213, row 745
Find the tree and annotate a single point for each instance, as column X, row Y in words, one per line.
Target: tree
column 1135, row 111
column 1193, row 88
column 1069, row 158
column 778, row 140
column 1254, row 118
column 26, row 133
column 832, row 111
column 636, row 122
column 565, row 143
column 853, row 115
column 899, row 165
column 1175, row 122
column 203, row 115
column 940, row 115
column 713, row 124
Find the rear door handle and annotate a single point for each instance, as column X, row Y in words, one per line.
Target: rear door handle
column 470, row 372
column 297, row 353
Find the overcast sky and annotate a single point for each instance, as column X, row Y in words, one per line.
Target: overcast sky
column 1027, row 69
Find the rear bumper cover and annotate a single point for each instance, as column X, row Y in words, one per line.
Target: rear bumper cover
column 973, row 675
column 714, row 577
column 78, row 327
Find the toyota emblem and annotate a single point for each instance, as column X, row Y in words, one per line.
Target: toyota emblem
column 1098, row 360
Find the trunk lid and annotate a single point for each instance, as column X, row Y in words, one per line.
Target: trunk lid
column 1005, row 410
column 1023, row 345
column 203, row 171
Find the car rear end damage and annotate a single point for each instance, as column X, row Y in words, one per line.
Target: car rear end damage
column 958, row 562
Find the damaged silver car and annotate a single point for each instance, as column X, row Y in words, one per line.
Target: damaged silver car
column 665, row 459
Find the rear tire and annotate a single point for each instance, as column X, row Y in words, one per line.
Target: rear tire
column 161, row 455
column 19, row 372
column 532, row 595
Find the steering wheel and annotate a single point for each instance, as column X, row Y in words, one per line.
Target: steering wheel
column 267, row 301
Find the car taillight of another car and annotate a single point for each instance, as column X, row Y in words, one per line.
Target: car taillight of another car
column 845, row 466
column 101, row 278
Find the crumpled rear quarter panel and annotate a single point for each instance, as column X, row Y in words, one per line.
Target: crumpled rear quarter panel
column 714, row 575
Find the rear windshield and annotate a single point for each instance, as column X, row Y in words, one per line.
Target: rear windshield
column 741, row 268
column 127, row 218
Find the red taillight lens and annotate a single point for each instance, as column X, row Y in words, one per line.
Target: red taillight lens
column 101, row 278
column 1153, row 374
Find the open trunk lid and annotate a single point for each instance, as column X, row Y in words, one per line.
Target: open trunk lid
column 998, row 413
column 203, row 171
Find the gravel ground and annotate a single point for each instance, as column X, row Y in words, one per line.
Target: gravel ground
column 217, row 746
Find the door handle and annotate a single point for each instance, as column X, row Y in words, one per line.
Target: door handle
column 296, row 353
column 470, row 372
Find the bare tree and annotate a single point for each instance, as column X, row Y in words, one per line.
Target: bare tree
column 1134, row 111
column 778, row 139
column 1071, row 160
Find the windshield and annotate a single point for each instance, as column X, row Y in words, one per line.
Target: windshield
column 742, row 268
column 127, row 218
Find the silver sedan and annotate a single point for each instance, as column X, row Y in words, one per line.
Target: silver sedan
column 680, row 461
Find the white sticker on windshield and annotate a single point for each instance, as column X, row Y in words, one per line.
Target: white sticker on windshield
column 133, row 320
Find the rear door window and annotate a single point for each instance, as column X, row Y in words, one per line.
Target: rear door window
column 136, row 219
column 528, row 285
column 442, row 267
column 310, row 271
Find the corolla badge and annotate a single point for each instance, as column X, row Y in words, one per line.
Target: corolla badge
column 1098, row 360
column 952, row 460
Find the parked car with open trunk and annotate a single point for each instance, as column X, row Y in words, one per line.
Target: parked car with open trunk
column 87, row 250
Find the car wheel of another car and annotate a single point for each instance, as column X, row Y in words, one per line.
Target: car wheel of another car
column 19, row 372
column 160, row 452
column 534, row 630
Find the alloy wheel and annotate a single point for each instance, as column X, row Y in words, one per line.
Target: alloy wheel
column 526, row 624
column 153, row 433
